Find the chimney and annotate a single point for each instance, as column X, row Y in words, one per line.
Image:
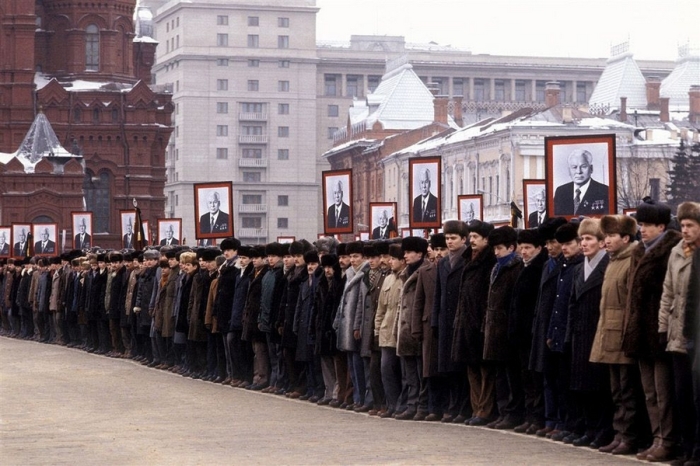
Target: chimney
column 457, row 112
column 663, row 114
column 144, row 58
column 694, row 108
column 567, row 115
column 653, row 88
column 551, row 94
column 623, row 109
column 440, row 105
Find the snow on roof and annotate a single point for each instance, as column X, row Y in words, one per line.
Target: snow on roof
column 41, row 80
column 621, row 78
column 145, row 39
column 348, row 144
column 677, row 84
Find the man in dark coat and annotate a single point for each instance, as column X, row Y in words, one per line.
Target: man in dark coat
column 251, row 332
column 272, row 290
column 583, row 195
column 640, row 337
column 691, row 331
column 589, row 382
column 447, row 284
column 223, row 301
column 241, row 351
column 304, row 329
column 146, row 284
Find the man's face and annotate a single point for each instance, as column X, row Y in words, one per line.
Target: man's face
column 412, row 257
column 258, row 262
column 690, row 229
column 383, row 220
column 650, row 231
column 469, row 214
column 210, row 265
column 173, row 262
column 425, row 184
column 128, row 229
column 539, row 203
column 440, row 252
column 229, row 254
column 288, row 261
column 299, row 259
column 338, row 196
column 44, row 235
column 528, row 251
column 22, row 236
column 344, row 261
column 170, row 233
column 478, row 242
column 149, row 262
column 374, row 262
column 2, row 239
column 243, row 261
column 571, row 248
column 614, row 242
column 187, row 267
column 553, row 248
column 356, row 259
column 328, row 272
column 213, row 203
column 273, row 260
column 501, row 250
column 579, row 169
column 101, row 265
column 591, row 245
column 454, row 242
column 311, row 267
column 82, row 228
column 396, row 264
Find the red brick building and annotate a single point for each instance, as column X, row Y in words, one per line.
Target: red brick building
column 84, row 66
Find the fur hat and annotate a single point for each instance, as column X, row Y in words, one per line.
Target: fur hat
column 300, row 247
column 115, row 257
column 396, row 251
column 455, row 227
column 368, row 250
column 220, row 260
column 654, row 213
column 482, row 229
column 329, row 260
column 151, row 254
column 326, row 245
column 623, row 225
column 257, row 251
column 230, row 243
column 274, row 249
column 354, row 248
column 55, row 260
column 382, row 247
column 437, row 240
column 567, row 232
column 244, row 251
column 531, row 236
column 414, row 244
column 171, row 254
column 689, row 211
column 341, row 249
column 102, row 257
column 548, row 228
column 590, row 226
column 311, row 257
column 503, row 235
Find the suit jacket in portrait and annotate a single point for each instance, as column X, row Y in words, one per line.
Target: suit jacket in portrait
column 533, row 220
column 173, row 242
column 377, row 232
column 431, row 210
column 220, row 225
column 128, row 241
column 50, row 247
column 20, row 250
column 84, row 244
column 343, row 219
column 5, row 249
column 596, row 201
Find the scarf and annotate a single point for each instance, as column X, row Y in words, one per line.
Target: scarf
column 501, row 262
column 650, row 245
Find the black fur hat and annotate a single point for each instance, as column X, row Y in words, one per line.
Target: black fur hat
column 455, row 227
column 548, row 229
column 369, row 250
column 355, row 247
column 482, row 229
column 396, row 251
column 530, row 236
column 414, row 244
column 329, row 260
column 437, row 240
column 341, row 249
column 566, row 233
column 654, row 213
column 230, row 243
column 311, row 257
column 503, row 235
column 274, row 249
column 382, row 247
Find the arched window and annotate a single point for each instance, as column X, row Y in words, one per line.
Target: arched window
column 96, row 190
column 92, row 48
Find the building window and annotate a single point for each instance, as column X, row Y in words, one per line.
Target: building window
column 479, row 90
column 221, row 153
column 283, row 22
column 332, row 110
column 581, row 93
column 222, row 40
column 222, row 20
column 520, row 91
column 457, row 86
column 283, row 201
column 253, row 63
column 252, row 130
column 95, row 115
column 252, row 107
column 283, row 86
column 222, row 107
column 283, row 63
column 499, row 90
column 373, row 82
column 331, row 131
column 539, row 90
column 282, row 154
column 96, row 190
column 282, row 222
column 283, row 131
column 253, row 85
column 251, row 177
column 442, row 85
column 222, row 130
column 115, row 115
column 251, row 222
column 283, row 109
column 253, row 21
column 253, row 41
column 352, row 88
column 92, row 48
column 255, row 199
column 655, row 188
column 282, row 42
column 331, row 84
column 222, row 62
column 77, row 115
column 251, row 153
column 222, row 84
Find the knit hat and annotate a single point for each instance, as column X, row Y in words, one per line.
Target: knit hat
column 230, row 243
column 354, row 248
column 437, row 240
column 623, row 225
column 566, row 233
column 414, row 244
column 311, row 257
column 590, row 226
column 530, row 236
column 689, row 211
column 396, row 251
column 482, row 229
column 548, row 228
column 505, row 235
column 329, row 260
column 654, row 213
column 455, row 227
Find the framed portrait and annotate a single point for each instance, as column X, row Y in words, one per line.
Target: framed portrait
column 630, row 212
column 5, row 241
column 382, row 220
column 580, row 174
column 20, row 239
column 213, row 210
column 129, row 229
column 364, row 236
column 288, row 239
column 82, row 229
column 169, row 231
column 534, row 202
column 147, row 233
column 471, row 207
column 45, row 239
column 405, row 232
column 424, row 176
column 337, row 201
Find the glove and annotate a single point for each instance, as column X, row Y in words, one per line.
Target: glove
column 356, row 334
column 663, row 339
column 137, row 310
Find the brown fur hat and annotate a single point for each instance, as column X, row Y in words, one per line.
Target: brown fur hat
column 620, row 224
column 689, row 211
column 590, row 226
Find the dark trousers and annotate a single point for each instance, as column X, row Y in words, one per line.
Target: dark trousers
column 657, row 381
column 357, row 372
column 482, row 379
column 116, row 335
column 454, row 396
column 103, row 335
column 557, row 376
column 624, row 380
column 410, row 381
column 391, row 378
column 593, row 413
column 241, row 356
column 684, row 405
column 296, row 382
column 514, row 408
column 277, row 372
column 375, row 380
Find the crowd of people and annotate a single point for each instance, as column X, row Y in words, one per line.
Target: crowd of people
column 580, row 331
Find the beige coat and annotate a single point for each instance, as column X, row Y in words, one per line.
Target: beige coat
column 388, row 310
column 607, row 345
column 672, row 310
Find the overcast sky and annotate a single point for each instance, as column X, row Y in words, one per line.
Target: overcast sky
column 574, row 28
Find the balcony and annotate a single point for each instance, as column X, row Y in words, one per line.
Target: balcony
column 252, row 208
column 252, row 233
column 252, row 116
column 252, row 163
column 252, row 139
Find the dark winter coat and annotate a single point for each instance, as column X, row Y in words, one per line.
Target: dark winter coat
column 522, row 310
column 328, row 296
column 147, row 281
column 560, row 311
column 497, row 346
column 406, row 343
column 169, row 299
column 447, row 286
column 584, row 313
column 647, row 273
column 96, row 295
column 223, row 304
column 252, row 307
column 366, row 318
column 118, row 293
column 421, row 327
column 468, row 343
column 289, row 302
column 549, row 282
column 181, row 324
column 197, row 305
column 272, row 291
column 239, row 297
column 303, row 318
column 691, row 328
